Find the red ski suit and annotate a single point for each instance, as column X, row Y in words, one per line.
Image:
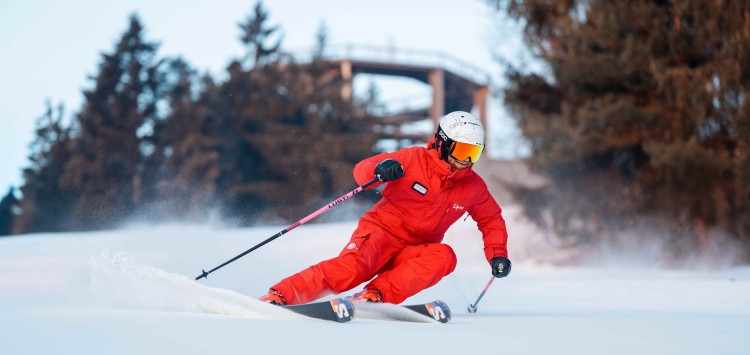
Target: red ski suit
column 399, row 239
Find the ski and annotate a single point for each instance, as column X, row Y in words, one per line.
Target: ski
column 437, row 309
column 338, row 310
column 423, row 313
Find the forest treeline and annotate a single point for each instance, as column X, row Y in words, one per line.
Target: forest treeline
column 640, row 119
column 156, row 141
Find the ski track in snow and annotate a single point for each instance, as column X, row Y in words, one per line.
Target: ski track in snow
column 133, row 292
column 120, row 281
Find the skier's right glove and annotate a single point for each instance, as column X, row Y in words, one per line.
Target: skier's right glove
column 389, row 170
column 500, row 266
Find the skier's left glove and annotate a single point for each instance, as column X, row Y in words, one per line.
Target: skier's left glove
column 500, row 266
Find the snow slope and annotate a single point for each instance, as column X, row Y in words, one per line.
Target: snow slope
column 133, row 292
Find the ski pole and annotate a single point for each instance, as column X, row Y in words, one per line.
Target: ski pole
column 473, row 307
column 295, row 225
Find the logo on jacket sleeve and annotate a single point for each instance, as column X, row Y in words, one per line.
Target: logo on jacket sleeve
column 419, row 188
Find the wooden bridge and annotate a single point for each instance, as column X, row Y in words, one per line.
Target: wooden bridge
column 456, row 85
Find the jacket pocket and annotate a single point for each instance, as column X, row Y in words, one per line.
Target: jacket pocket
column 356, row 242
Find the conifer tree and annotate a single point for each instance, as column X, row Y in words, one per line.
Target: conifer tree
column 288, row 138
column 7, row 206
column 642, row 112
column 106, row 168
column 256, row 34
column 46, row 206
column 187, row 146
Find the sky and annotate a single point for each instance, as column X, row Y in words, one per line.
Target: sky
column 133, row 291
column 49, row 49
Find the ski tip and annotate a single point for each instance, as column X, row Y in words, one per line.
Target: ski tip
column 343, row 308
column 437, row 310
column 338, row 310
column 440, row 311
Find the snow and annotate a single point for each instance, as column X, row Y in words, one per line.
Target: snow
column 133, row 291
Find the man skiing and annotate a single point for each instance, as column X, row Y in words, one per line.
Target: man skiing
column 398, row 241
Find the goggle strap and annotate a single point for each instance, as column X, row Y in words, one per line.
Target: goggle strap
column 448, row 144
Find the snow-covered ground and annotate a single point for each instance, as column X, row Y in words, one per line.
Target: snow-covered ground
column 133, row 292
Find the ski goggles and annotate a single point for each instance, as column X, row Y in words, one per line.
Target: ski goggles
column 462, row 151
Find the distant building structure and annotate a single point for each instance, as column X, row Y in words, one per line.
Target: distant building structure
column 455, row 85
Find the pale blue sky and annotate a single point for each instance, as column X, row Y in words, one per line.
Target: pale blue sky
column 49, row 48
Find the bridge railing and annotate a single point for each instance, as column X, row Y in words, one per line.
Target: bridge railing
column 395, row 55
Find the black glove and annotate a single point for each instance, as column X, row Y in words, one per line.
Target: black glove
column 500, row 266
column 389, row 170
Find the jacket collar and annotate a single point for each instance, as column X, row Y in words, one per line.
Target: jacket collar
column 442, row 168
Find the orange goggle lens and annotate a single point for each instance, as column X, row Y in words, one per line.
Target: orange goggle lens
column 462, row 151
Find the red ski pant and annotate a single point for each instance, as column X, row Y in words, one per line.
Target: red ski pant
column 402, row 269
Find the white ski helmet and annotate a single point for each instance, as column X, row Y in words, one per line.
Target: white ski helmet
column 459, row 133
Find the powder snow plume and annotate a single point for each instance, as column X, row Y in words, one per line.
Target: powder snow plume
column 120, row 281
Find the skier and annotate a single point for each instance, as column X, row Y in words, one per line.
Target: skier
column 398, row 241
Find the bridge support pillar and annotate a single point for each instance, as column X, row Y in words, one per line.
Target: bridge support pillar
column 480, row 104
column 436, row 78
column 346, row 74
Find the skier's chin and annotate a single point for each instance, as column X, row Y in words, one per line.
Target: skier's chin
column 457, row 165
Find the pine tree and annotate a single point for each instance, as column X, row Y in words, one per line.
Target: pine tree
column 256, row 34
column 45, row 206
column 287, row 137
column 642, row 112
column 187, row 147
column 7, row 206
column 108, row 155
column 321, row 42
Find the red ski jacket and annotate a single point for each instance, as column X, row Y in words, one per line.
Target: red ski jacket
column 419, row 207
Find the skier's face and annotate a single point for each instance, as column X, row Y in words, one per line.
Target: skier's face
column 459, row 164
